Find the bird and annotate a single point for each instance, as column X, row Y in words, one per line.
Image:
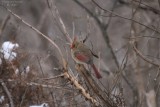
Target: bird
column 83, row 55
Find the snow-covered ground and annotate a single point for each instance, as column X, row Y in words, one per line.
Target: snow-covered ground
column 42, row 105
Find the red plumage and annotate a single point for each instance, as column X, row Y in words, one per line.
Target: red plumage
column 83, row 55
column 98, row 75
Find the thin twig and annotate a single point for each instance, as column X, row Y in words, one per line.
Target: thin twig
column 124, row 17
column 23, row 97
column 4, row 24
column 7, row 92
column 153, row 37
column 51, row 5
column 143, row 57
column 82, row 90
column 104, row 32
column 61, row 75
column 142, row 6
column 110, row 16
column 36, row 30
column 95, row 87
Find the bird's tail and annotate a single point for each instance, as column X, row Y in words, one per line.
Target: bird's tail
column 98, row 75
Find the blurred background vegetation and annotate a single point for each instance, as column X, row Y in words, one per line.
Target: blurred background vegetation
column 123, row 33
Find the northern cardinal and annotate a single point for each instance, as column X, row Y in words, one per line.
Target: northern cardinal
column 83, row 55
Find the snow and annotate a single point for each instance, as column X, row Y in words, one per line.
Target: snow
column 27, row 69
column 7, row 49
column 1, row 99
column 17, row 71
column 42, row 105
column 24, row 71
column 0, row 61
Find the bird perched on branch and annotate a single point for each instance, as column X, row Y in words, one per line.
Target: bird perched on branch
column 83, row 55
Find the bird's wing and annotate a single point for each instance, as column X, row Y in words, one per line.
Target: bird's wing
column 82, row 56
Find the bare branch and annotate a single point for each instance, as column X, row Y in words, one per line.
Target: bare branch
column 61, row 75
column 7, row 92
column 82, row 90
column 36, row 30
column 50, row 5
column 124, row 17
column 102, row 26
column 142, row 56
